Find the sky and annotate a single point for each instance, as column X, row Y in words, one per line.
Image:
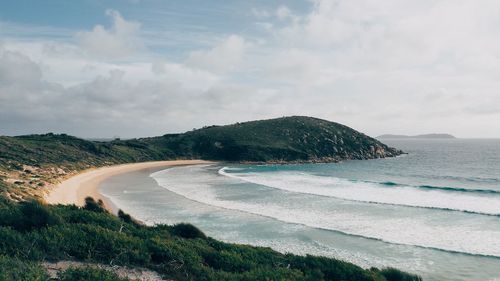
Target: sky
column 133, row 68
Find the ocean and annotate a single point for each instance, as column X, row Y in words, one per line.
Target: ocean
column 434, row 211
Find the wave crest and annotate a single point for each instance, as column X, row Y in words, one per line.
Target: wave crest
column 474, row 201
column 419, row 230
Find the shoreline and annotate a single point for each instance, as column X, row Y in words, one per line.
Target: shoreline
column 75, row 189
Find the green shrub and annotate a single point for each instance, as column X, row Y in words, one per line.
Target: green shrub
column 186, row 230
column 92, row 205
column 332, row 269
column 125, row 217
column 13, row 243
column 13, row 269
column 33, row 215
column 392, row 274
column 80, row 234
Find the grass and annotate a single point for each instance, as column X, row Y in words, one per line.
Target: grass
column 32, row 232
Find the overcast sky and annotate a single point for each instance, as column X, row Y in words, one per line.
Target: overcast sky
column 148, row 67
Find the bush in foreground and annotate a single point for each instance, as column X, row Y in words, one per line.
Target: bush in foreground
column 13, row 269
column 187, row 231
column 392, row 274
column 181, row 252
column 92, row 205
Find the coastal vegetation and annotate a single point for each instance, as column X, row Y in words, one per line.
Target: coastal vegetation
column 33, row 232
column 283, row 140
column 29, row 163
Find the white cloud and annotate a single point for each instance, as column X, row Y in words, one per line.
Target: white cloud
column 295, row 66
column 17, row 69
column 120, row 40
column 108, row 104
column 381, row 67
column 117, row 99
column 222, row 58
column 283, row 12
column 385, row 57
column 260, row 13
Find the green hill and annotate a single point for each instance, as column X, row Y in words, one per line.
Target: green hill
column 67, row 150
column 33, row 161
column 282, row 139
column 28, row 163
column 296, row 138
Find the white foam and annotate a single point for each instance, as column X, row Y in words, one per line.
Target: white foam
column 421, row 231
column 372, row 192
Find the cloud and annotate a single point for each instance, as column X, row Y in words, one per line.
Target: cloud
column 380, row 67
column 17, row 69
column 295, row 66
column 120, row 40
column 260, row 13
column 224, row 57
column 127, row 100
column 283, row 12
column 381, row 60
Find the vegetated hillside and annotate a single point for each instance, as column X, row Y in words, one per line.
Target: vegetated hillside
column 297, row 138
column 67, row 150
column 33, row 161
column 281, row 139
column 32, row 233
column 28, row 163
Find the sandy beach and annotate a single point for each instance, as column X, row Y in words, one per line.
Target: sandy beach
column 75, row 189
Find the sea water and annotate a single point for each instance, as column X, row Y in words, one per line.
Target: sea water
column 434, row 211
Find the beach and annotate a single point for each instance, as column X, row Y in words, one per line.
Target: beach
column 75, row 189
column 402, row 212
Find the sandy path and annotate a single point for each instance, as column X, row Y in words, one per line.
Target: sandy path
column 75, row 189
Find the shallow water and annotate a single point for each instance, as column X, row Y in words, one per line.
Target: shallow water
column 435, row 211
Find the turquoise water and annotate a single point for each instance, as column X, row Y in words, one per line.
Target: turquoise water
column 435, row 211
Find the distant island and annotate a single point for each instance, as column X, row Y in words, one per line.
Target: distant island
column 424, row 136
